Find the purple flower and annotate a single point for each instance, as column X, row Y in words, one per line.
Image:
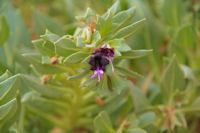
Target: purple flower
column 98, row 63
column 105, row 51
column 102, row 57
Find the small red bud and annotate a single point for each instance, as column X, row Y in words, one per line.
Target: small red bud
column 45, row 78
column 99, row 101
column 54, row 60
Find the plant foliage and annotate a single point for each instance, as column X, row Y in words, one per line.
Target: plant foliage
column 129, row 68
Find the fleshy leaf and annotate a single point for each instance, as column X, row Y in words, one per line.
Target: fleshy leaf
column 65, row 47
column 48, row 36
column 136, row 130
column 128, row 72
column 185, row 36
column 123, row 17
column 119, row 45
column 44, row 48
column 76, row 57
column 35, row 61
column 139, row 99
column 7, row 115
column 49, row 91
column 146, row 119
column 172, row 78
column 129, row 30
column 4, row 30
column 113, row 9
column 133, row 54
column 103, row 124
column 8, row 89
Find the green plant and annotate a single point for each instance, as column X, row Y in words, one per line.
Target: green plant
column 77, row 76
column 66, row 99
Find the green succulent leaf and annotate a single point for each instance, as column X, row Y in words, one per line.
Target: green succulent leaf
column 103, row 124
column 104, row 26
column 136, row 130
column 76, row 57
column 139, row 99
column 96, row 37
column 88, row 16
column 4, row 30
column 80, row 42
column 129, row 30
column 45, row 68
column 119, row 45
column 185, row 36
column 114, row 9
column 48, row 116
column 172, row 78
column 133, row 54
column 80, row 75
column 118, row 83
column 3, row 68
column 7, row 115
column 9, row 88
column 4, row 76
column 48, row 36
column 44, row 48
column 128, row 72
column 123, row 17
column 90, row 83
column 4, row 109
column 103, row 86
column 36, row 85
column 13, row 131
column 45, row 104
column 146, row 119
column 65, row 47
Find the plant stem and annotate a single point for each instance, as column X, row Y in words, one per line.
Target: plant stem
column 21, row 119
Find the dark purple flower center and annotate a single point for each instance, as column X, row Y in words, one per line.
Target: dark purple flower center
column 104, row 51
column 98, row 64
column 99, row 61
